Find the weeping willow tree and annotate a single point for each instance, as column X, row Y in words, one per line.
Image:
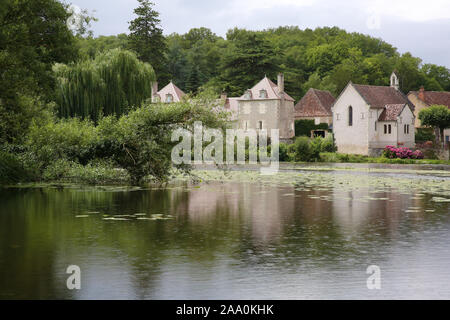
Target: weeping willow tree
column 110, row 84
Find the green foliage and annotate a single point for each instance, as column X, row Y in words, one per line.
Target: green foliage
column 301, row 149
column 305, row 149
column 11, row 169
column 139, row 142
column 112, row 83
column 98, row 172
column 304, row 127
column 436, row 117
column 90, row 47
column 248, row 58
column 425, row 134
column 33, row 36
column 147, row 40
column 354, row 158
column 69, row 139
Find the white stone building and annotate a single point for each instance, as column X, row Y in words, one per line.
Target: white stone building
column 264, row 107
column 366, row 119
column 169, row 94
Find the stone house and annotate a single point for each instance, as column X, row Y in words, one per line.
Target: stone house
column 264, row 107
column 315, row 105
column 423, row 99
column 366, row 119
column 168, row 94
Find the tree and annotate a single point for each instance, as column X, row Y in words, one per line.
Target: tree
column 147, row 39
column 248, row 59
column 111, row 84
column 33, row 36
column 437, row 117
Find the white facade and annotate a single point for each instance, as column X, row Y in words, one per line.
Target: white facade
column 361, row 128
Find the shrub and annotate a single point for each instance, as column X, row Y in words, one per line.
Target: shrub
column 303, row 128
column 11, row 169
column 425, row 134
column 71, row 139
column 392, row 152
column 301, row 149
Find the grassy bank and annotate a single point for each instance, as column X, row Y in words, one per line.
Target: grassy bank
column 352, row 158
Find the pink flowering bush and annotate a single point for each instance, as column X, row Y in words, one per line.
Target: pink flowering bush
column 392, row 152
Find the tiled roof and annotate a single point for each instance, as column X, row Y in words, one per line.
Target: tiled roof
column 172, row 89
column 434, row 97
column 271, row 89
column 315, row 103
column 380, row 96
column 391, row 112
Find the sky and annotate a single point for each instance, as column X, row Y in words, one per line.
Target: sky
column 416, row 26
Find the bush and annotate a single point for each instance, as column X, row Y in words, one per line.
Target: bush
column 301, row 149
column 392, row 152
column 73, row 140
column 11, row 169
column 97, row 172
column 425, row 134
column 303, row 128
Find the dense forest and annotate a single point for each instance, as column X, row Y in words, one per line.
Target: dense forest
column 324, row 58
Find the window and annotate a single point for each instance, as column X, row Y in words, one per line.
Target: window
column 246, row 125
column 248, row 95
column 169, row 98
column 263, row 94
column 375, row 126
column 260, row 125
column 406, row 129
column 350, row 116
column 385, row 129
column 390, row 129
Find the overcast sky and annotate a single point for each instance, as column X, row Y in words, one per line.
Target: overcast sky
column 418, row 26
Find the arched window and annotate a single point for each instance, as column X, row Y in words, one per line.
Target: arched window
column 350, row 116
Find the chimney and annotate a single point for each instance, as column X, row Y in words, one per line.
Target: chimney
column 154, row 88
column 223, row 96
column 280, row 82
column 422, row 93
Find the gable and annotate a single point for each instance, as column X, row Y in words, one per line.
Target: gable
column 348, row 97
column 271, row 89
column 315, row 103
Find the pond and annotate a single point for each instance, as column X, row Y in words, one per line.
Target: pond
column 302, row 234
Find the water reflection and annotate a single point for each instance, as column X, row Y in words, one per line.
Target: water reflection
column 226, row 241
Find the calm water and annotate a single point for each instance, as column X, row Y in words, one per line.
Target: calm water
column 222, row 241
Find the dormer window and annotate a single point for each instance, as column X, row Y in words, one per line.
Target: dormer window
column 263, row 94
column 248, row 95
column 169, row 98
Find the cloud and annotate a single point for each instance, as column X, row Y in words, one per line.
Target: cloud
column 410, row 10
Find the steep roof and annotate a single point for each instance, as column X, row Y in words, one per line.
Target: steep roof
column 380, row 96
column 315, row 103
column 172, row 89
column 434, row 97
column 271, row 89
column 391, row 112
